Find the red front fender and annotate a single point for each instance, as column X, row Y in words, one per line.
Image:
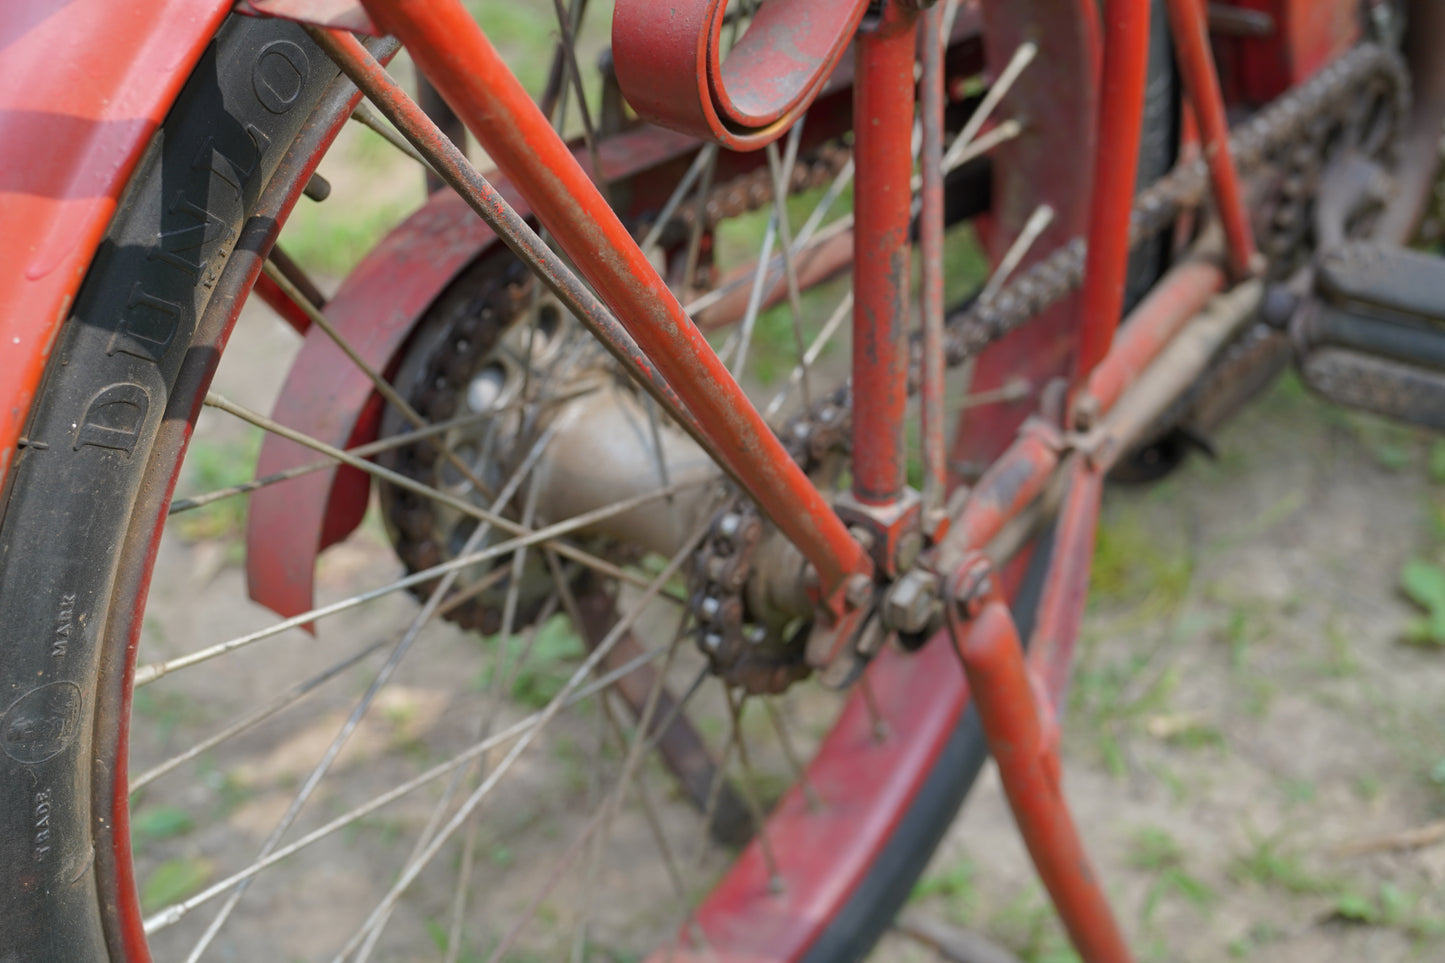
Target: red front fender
column 83, row 86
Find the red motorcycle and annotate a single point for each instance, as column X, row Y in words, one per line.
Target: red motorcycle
column 594, row 403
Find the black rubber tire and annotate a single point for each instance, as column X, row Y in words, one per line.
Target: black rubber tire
column 126, row 377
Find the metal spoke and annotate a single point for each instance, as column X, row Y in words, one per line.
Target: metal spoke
column 878, row 724
column 297, row 275
column 367, row 116
column 602, row 818
column 694, row 241
column 705, row 160
column 426, row 491
column 749, row 787
column 1038, row 222
column 782, row 180
column 567, row 24
column 150, row 673
column 520, row 746
column 743, row 337
column 1021, row 58
column 383, row 387
column 790, row 752
column 394, row 658
column 509, row 615
column 841, row 313
column 176, row 912
column 283, row 701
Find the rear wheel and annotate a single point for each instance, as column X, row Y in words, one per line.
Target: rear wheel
column 300, row 748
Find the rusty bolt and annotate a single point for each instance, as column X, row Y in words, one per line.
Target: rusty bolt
column 863, row 536
column 909, row 604
column 1086, row 412
column 972, row 588
column 859, row 590
column 910, row 546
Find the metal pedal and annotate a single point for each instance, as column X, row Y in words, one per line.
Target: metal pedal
column 1373, row 337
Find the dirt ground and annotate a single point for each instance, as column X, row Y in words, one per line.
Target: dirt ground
column 1247, row 708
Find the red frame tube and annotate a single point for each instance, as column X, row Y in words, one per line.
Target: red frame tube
column 883, row 153
column 456, row 56
column 1178, row 297
column 1189, row 25
column 1066, row 590
column 1006, row 489
column 1126, row 61
column 1024, row 744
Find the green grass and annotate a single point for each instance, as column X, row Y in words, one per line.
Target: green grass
column 1135, row 566
column 954, row 888
column 547, row 666
column 213, row 464
column 1155, row 852
column 1271, row 863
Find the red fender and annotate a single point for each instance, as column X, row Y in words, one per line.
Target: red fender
column 327, row 397
column 83, row 86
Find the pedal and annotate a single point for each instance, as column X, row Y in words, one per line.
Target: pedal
column 1373, row 336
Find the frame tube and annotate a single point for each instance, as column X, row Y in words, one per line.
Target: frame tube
column 1121, row 118
column 883, row 152
column 1201, row 81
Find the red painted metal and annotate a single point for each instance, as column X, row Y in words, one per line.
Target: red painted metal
column 1179, row 296
column 1307, row 35
column 328, row 398
column 1196, row 65
column 883, row 153
column 338, row 14
column 1052, row 164
column 1126, row 61
column 462, row 64
column 286, row 309
column 1066, row 589
column 815, row 265
column 66, row 150
column 865, row 784
column 1008, row 486
column 1023, row 742
column 930, row 235
column 669, row 64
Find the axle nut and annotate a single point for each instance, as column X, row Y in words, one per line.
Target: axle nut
column 909, row 605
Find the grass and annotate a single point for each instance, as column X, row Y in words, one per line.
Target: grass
column 1271, row 863
column 213, row 464
column 547, row 666
column 954, row 887
column 1134, row 566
